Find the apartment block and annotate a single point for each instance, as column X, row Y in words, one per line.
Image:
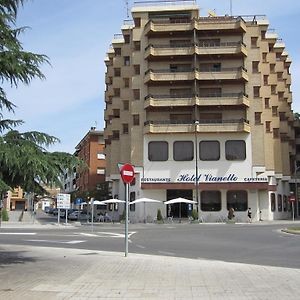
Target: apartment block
column 201, row 106
column 91, row 150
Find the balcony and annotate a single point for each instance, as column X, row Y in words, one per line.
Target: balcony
column 204, row 126
column 188, row 74
column 229, row 49
column 166, row 75
column 225, row 99
column 161, row 26
column 220, row 24
column 211, row 74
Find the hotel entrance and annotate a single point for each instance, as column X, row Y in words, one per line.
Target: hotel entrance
column 173, row 209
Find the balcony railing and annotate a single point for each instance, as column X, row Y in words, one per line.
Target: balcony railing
column 192, row 95
column 203, row 69
column 192, row 122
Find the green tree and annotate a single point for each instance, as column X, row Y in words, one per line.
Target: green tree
column 24, row 159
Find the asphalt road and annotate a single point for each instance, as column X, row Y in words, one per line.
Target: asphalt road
column 244, row 243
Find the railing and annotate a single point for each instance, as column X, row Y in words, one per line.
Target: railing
column 192, row 122
column 191, row 95
column 163, row 2
column 184, row 70
column 201, row 45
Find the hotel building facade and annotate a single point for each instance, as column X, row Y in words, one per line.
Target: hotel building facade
column 201, row 106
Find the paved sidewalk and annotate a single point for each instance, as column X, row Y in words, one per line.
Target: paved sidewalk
column 53, row 273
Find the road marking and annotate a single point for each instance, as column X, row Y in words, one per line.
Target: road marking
column 167, row 253
column 88, row 234
column 56, row 242
column 140, row 246
column 115, row 235
column 18, row 233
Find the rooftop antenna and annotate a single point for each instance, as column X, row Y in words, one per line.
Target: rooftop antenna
column 127, row 8
column 231, row 7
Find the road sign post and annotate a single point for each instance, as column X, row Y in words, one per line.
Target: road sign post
column 127, row 174
column 63, row 201
column 292, row 201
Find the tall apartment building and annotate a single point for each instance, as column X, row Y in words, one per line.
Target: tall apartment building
column 91, row 150
column 201, row 106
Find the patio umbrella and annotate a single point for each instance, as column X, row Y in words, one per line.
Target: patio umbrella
column 180, row 200
column 144, row 200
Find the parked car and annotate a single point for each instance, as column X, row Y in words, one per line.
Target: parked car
column 47, row 209
column 78, row 216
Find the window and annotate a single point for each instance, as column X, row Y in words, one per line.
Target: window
column 278, row 56
column 279, row 204
column 126, row 61
column 263, row 34
column 273, row 89
column 272, row 68
column 264, row 56
column 268, row 126
column 137, row 45
column 115, row 135
column 136, row 120
column 100, row 155
column 125, row 128
column 136, row 94
column 235, row 150
column 257, row 118
column 132, row 198
column 255, row 66
column 183, row 151
column 280, row 96
column 117, row 51
column 117, row 92
column 238, row 200
column 254, row 42
column 276, row 133
column 274, row 110
column 137, row 69
column 116, row 113
column 256, row 91
column 279, row 76
column 127, row 39
column 117, row 72
column 266, row 79
column 209, row 150
column 126, row 82
column 285, row 203
column 100, row 171
column 126, row 105
column 211, row 201
column 273, row 202
column 137, row 22
column 267, row 102
column 282, row 116
column 158, row 151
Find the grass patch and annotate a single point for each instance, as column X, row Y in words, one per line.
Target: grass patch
column 294, row 228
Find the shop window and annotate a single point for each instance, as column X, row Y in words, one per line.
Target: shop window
column 210, row 200
column 273, row 202
column 238, row 200
column 158, row 151
column 209, row 150
column 279, row 202
column 235, row 150
column 183, row 151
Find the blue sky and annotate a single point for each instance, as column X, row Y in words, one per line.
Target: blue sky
column 76, row 35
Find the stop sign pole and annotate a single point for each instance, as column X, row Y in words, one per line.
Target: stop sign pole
column 127, row 174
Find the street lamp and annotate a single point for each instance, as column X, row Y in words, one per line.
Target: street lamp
column 196, row 169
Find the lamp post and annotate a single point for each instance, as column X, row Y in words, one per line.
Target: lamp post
column 196, row 169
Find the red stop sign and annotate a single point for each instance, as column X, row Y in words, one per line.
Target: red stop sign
column 127, row 173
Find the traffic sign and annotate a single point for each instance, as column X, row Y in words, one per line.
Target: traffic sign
column 63, row 201
column 127, row 173
column 292, row 198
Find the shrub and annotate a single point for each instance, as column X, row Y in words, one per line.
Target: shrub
column 4, row 215
column 159, row 215
column 194, row 214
